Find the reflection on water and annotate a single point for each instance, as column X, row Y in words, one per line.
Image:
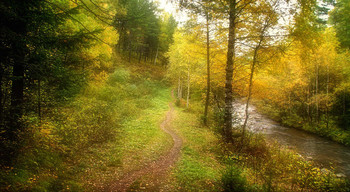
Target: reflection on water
column 308, row 145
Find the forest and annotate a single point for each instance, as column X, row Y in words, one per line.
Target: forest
column 174, row 95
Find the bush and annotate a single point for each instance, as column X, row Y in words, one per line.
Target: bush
column 219, row 121
column 341, row 106
column 120, row 75
column 178, row 102
column 91, row 121
column 232, row 180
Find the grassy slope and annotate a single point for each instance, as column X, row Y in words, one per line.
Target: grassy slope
column 139, row 139
column 109, row 129
column 198, row 169
column 142, row 141
column 141, row 98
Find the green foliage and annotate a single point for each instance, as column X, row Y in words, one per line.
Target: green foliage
column 178, row 102
column 341, row 20
column 90, row 133
column 119, row 76
column 291, row 120
column 218, row 118
column 94, row 122
column 232, row 180
column 198, row 169
column 139, row 29
column 45, row 62
column 341, row 107
column 271, row 167
column 167, row 28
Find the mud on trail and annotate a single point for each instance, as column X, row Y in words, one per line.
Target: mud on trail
column 158, row 169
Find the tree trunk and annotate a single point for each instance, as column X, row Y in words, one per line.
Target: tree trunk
column 181, row 85
column 17, row 95
column 145, row 53
column 39, row 100
column 308, row 103
column 312, row 107
column 250, row 86
column 229, row 72
column 129, row 54
column 1, row 97
column 155, row 60
column 188, row 88
column 178, row 88
column 316, row 96
column 140, row 55
column 208, row 73
column 327, row 112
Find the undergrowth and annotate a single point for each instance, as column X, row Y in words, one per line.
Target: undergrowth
column 209, row 164
column 328, row 130
column 268, row 166
column 198, row 168
column 112, row 126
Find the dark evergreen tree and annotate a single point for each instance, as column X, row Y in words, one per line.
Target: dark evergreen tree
column 139, row 29
column 340, row 18
column 37, row 63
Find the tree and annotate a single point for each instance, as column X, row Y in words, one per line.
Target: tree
column 185, row 65
column 45, row 59
column 208, row 70
column 340, row 18
column 233, row 17
column 263, row 23
column 20, row 23
column 167, row 27
column 203, row 8
column 139, row 29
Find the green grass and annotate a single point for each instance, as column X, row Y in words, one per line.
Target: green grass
column 143, row 140
column 198, row 168
column 110, row 128
column 141, row 103
column 140, row 140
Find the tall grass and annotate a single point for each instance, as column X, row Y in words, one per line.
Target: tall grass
column 198, row 169
column 271, row 167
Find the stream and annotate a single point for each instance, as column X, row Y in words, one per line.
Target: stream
column 310, row 146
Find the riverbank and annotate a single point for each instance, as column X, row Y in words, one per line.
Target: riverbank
column 331, row 132
column 310, row 146
column 209, row 164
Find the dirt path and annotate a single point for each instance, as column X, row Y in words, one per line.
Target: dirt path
column 156, row 169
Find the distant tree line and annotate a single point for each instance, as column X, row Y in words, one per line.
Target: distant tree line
column 142, row 33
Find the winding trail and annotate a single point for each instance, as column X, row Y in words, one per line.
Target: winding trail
column 158, row 168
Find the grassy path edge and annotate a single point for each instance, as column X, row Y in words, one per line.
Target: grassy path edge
column 158, row 167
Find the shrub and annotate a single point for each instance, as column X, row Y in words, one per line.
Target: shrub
column 178, row 102
column 232, row 180
column 120, row 75
column 219, row 121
